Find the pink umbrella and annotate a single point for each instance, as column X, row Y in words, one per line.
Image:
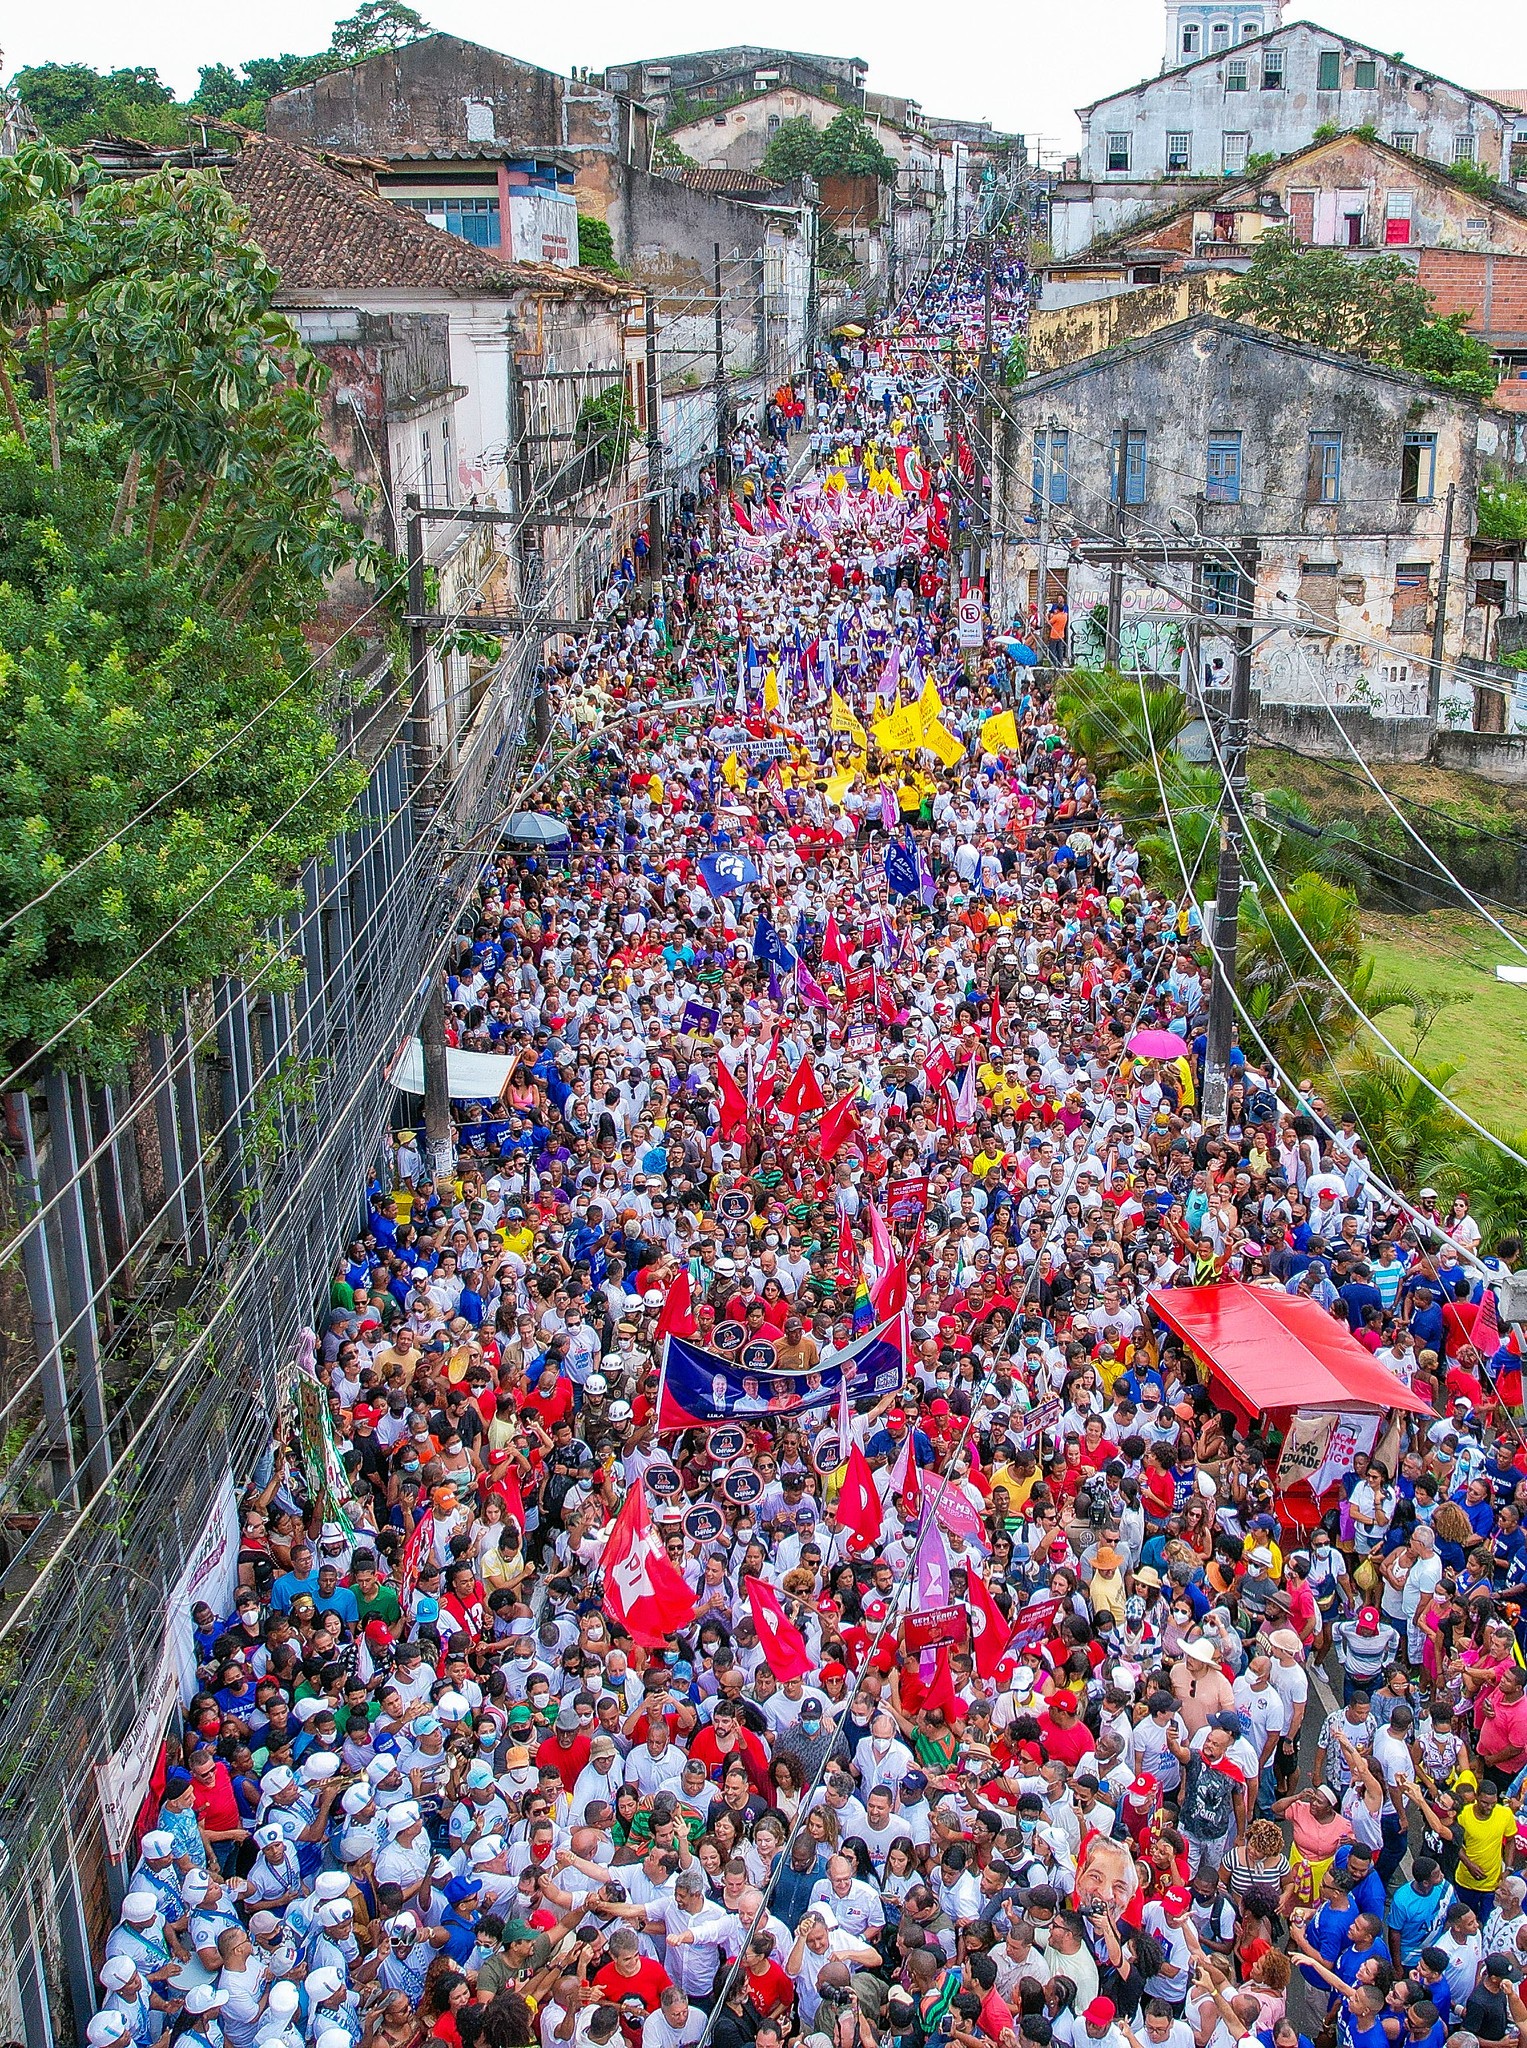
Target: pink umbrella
column 1158, row 1045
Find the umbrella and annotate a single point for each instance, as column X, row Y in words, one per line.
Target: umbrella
column 854, row 333
column 1158, row 1045
column 534, row 828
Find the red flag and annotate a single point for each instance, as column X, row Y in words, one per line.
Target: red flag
column 904, row 1480
column 802, row 1093
column 936, row 1068
column 834, row 952
column 783, row 1645
column 988, row 1629
column 859, row 1509
column 888, row 1296
column 837, row 1127
column 762, row 1080
column 643, row 1592
column 739, row 513
column 940, row 1693
column 996, row 1020
column 676, row 1318
column 882, row 1246
column 1486, row 1327
column 848, row 1258
column 734, row 1104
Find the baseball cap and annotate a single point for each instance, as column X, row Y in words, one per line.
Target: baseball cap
column 1101, row 2013
column 1368, row 1621
column 1177, row 1899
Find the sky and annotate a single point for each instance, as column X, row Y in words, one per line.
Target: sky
column 1011, row 64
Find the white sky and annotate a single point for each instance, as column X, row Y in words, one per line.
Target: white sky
column 1017, row 65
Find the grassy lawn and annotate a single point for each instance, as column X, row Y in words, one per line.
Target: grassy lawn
column 1484, row 1033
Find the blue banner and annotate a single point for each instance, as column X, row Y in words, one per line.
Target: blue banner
column 768, row 945
column 901, row 876
column 727, row 874
column 705, row 1387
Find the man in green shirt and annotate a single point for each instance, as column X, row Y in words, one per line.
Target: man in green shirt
column 374, row 1600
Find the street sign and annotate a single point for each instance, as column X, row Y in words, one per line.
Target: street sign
column 972, row 620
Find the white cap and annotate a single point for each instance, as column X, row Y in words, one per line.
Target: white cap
column 322, row 1984
column 402, row 1816
column 283, row 1998
column 484, row 1851
column 278, row 1779
column 333, row 2037
column 334, row 1912
column 159, row 1842
column 140, row 1907
column 380, row 1767
column 117, row 1972
column 205, row 1998
column 107, row 2029
column 195, row 1886
column 453, row 1706
column 320, row 1766
column 270, row 1836
column 356, row 1800
column 331, row 1884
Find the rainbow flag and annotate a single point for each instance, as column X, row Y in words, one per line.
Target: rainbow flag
column 864, row 1310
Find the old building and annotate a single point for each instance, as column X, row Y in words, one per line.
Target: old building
column 1203, row 28
column 443, row 96
column 1338, row 472
column 1266, row 97
column 710, row 78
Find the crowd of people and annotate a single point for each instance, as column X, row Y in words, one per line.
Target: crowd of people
column 783, row 1582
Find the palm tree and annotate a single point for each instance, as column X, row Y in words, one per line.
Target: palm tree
column 1494, row 1183
column 1102, row 713
column 1400, row 1117
column 1288, row 950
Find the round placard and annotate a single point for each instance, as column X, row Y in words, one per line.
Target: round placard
column 759, row 1357
column 826, row 1452
column 727, row 1336
column 663, row 1482
column 726, row 1443
column 734, row 1205
column 703, row 1523
column 742, row 1487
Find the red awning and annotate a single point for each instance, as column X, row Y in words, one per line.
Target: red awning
column 1276, row 1351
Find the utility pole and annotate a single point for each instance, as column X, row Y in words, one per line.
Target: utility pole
column 420, row 758
column 437, row 1087
column 527, row 537
column 1043, row 575
column 1194, row 635
column 1439, row 615
column 655, row 539
column 952, row 457
column 1227, row 895
column 723, row 460
column 1116, row 566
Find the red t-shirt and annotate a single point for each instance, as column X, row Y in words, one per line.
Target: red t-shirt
column 217, row 1804
column 567, row 1763
column 648, row 1981
column 1069, row 1744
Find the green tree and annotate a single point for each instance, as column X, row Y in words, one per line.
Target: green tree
column 71, row 103
column 793, row 150
column 1368, row 309
column 1399, row 1116
column 1495, row 1185
column 849, row 149
column 376, row 25
column 1101, row 711
column 596, row 245
column 165, row 538
column 1444, row 352
column 1502, row 509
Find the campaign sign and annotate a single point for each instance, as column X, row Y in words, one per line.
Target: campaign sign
column 663, row 1482
column 742, row 1488
column 759, row 1356
column 734, row 1204
column 729, row 1335
column 1046, row 1416
column 701, row 1017
column 861, row 1039
column 907, row 1200
column 703, row 1523
column 935, row 1625
column 700, row 1386
column 1032, row 1624
column 725, row 1443
column 827, row 1452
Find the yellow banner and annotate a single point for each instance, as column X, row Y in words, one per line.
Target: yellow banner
column 999, row 735
column 841, row 719
column 942, row 744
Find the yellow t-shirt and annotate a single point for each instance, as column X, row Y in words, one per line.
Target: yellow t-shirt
column 1481, row 1839
column 1019, row 1486
column 521, row 1241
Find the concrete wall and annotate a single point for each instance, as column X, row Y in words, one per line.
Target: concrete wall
column 1071, row 332
column 737, row 137
column 1194, row 101
column 1498, row 757
column 1376, row 738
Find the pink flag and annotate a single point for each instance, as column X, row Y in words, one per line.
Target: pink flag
column 933, row 1587
column 887, row 809
column 965, row 1102
column 890, row 675
column 811, row 989
column 882, row 1250
column 959, row 1515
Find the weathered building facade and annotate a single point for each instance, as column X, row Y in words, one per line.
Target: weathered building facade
column 1337, row 471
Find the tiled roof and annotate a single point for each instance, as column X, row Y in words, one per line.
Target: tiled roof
column 719, row 178
column 325, row 231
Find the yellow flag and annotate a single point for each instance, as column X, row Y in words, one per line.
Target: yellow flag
column 999, row 735
column 838, row 787
column 841, row 719
column 941, row 743
column 771, row 692
column 930, row 704
column 731, row 770
column 902, row 732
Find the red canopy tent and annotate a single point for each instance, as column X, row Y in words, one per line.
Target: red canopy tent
column 1268, row 1352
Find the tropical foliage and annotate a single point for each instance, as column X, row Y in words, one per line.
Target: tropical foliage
column 169, row 516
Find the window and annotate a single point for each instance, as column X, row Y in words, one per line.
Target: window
column 1134, row 471
column 1179, row 150
column 1223, row 482
column 1404, row 141
column 1328, row 78
column 1234, row 150
column 1222, row 589
column 1251, row 27
column 472, row 220
column 1272, row 71
column 1219, row 36
column 1365, row 74
column 1463, row 149
column 1397, row 209
column 1324, row 485
column 1118, row 152
column 1412, row 597
column 1190, row 40
column 1235, row 75
column 1145, row 273
column 1418, row 469
column 1060, row 467
column 773, row 122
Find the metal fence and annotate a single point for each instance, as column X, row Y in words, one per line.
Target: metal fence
column 165, row 1242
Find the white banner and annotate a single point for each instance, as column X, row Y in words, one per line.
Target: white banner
column 1350, row 1434
column 211, row 1574
column 123, row 1779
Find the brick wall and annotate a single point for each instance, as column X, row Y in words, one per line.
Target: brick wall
column 1492, row 290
